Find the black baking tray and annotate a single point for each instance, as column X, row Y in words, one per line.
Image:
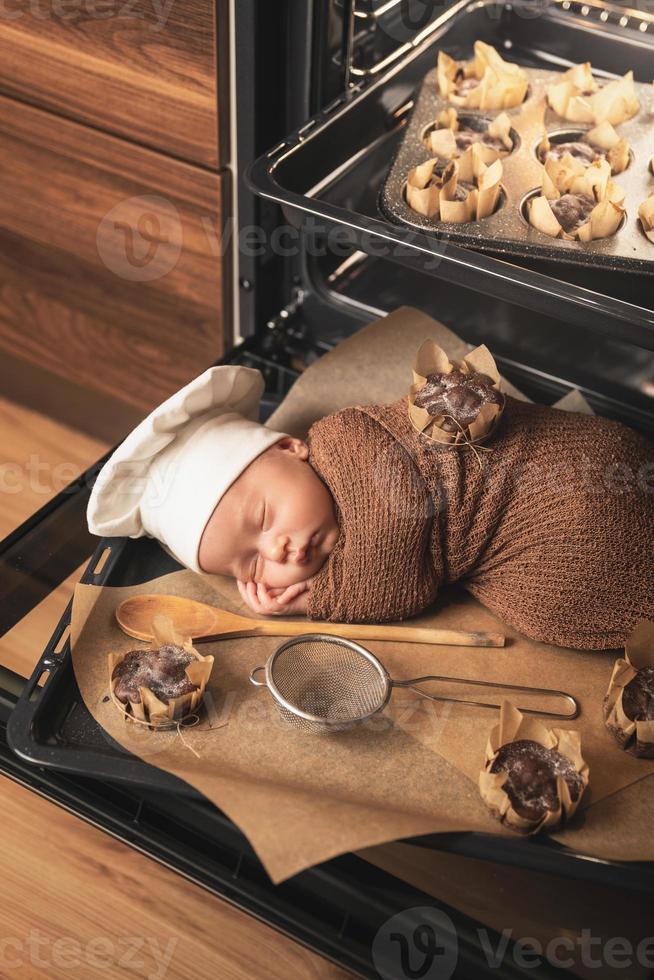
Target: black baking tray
column 507, row 231
column 51, row 727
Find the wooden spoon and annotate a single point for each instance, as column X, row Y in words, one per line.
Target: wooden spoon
column 203, row 622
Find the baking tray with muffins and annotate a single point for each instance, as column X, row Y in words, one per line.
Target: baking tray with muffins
column 521, row 137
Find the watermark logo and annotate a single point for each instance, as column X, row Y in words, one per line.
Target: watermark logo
column 143, row 956
column 418, row 944
column 151, row 15
column 140, row 239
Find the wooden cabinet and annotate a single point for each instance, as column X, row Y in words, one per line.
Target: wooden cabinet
column 113, row 272
column 146, row 70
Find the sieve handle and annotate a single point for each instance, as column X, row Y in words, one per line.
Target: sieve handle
column 253, row 678
column 568, row 699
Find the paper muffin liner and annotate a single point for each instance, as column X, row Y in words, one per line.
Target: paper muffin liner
column 579, row 98
column 502, row 84
column 151, row 710
column 441, row 141
column 432, row 359
column 569, row 176
column 432, row 193
column 603, row 138
column 646, row 215
column 635, row 737
column 514, row 726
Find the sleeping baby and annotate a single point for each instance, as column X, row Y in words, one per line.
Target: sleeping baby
column 552, row 529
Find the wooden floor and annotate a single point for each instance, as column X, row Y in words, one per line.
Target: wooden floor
column 92, row 906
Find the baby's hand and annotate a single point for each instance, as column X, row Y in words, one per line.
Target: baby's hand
column 291, row 601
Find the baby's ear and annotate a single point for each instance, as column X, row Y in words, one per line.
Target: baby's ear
column 293, row 446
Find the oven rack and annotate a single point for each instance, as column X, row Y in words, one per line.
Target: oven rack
column 326, row 174
column 365, row 20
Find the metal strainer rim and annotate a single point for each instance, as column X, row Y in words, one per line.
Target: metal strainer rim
column 337, row 641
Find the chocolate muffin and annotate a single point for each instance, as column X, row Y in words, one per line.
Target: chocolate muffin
column 464, row 138
column 162, row 671
column 459, row 395
column 583, row 152
column 638, row 696
column 463, row 188
column 572, row 210
column 532, row 773
column 466, row 85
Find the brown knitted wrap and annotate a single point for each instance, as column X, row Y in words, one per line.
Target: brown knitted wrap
column 553, row 529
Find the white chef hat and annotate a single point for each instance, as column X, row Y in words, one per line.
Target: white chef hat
column 166, row 478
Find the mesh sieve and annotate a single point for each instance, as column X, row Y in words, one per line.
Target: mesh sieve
column 325, row 683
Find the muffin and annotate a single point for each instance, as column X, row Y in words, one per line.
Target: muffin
column 584, row 149
column 486, row 82
column 160, row 684
column 455, row 403
column 465, row 190
column 629, row 700
column 646, row 215
column 577, row 202
column 579, row 97
column 451, row 136
column 533, row 778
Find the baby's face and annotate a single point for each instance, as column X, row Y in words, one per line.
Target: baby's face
column 275, row 524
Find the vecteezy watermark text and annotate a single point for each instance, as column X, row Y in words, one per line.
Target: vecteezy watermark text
column 144, row 956
column 153, row 15
column 142, row 239
column 422, row 943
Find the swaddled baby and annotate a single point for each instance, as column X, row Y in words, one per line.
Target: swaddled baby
column 552, row 527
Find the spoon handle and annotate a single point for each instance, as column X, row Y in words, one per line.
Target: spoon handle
column 366, row 631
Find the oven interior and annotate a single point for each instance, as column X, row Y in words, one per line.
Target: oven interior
column 331, row 262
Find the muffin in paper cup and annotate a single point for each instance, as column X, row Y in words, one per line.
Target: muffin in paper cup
column 443, row 140
column 466, row 190
column 579, row 98
column 150, row 709
column 595, row 201
column 486, row 82
column 602, row 140
column 439, row 426
column 631, row 694
column 534, row 777
column 646, row 215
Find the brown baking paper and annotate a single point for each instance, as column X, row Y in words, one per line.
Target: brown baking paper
column 302, row 799
column 512, row 727
column 576, row 96
column 636, row 737
column 432, row 359
column 152, row 711
column 502, row 84
column 441, row 140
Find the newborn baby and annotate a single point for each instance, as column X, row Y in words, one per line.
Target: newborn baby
column 550, row 524
column 552, row 529
column 272, row 530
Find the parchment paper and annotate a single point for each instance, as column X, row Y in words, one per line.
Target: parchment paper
column 302, row 799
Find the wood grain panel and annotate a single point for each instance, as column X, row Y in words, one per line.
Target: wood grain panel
column 142, row 69
column 110, row 267
column 79, row 905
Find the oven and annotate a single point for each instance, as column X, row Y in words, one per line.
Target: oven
column 321, row 92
